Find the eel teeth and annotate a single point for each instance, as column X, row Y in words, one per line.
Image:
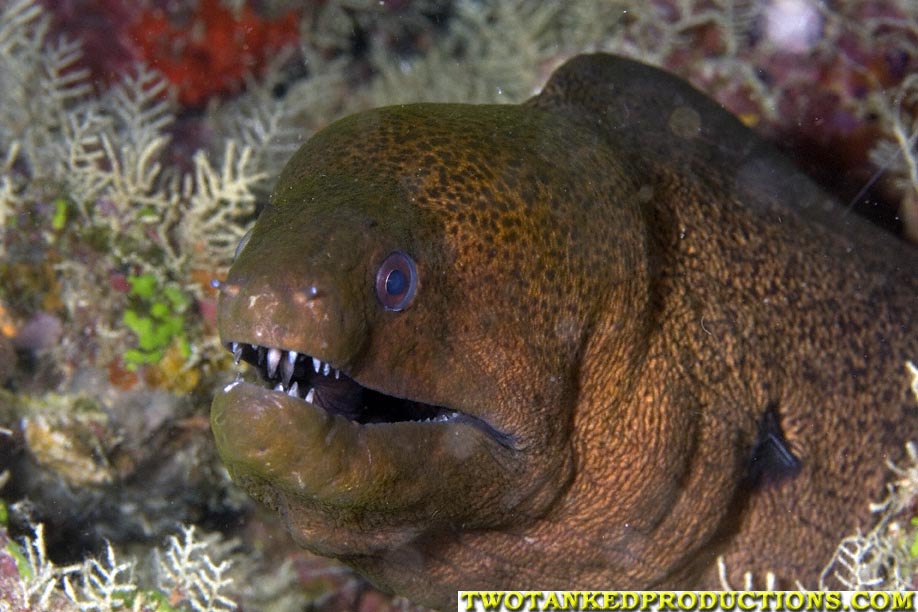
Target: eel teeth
column 274, row 356
column 287, row 368
column 286, row 371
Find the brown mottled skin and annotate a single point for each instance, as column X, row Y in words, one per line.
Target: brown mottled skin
column 623, row 281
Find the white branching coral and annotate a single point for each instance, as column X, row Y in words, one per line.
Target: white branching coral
column 268, row 125
column 188, row 578
column 880, row 558
column 100, row 162
column 187, row 571
column 100, row 586
column 40, row 81
column 897, row 153
column 217, row 202
column 105, row 154
column 38, row 586
column 117, row 151
column 113, row 158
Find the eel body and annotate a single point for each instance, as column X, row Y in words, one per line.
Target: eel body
column 595, row 341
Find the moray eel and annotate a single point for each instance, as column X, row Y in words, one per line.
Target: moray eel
column 597, row 340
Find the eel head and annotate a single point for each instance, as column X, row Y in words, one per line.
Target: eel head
column 410, row 384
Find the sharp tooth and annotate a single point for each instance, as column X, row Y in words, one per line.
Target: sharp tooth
column 337, row 373
column 311, row 395
column 326, row 369
column 293, row 391
column 279, row 387
column 316, row 364
column 237, row 352
column 286, row 371
column 291, row 357
column 274, row 356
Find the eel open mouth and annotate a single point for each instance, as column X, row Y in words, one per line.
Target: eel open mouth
column 352, row 470
column 318, row 383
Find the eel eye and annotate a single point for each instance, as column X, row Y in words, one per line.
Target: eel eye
column 396, row 281
column 241, row 245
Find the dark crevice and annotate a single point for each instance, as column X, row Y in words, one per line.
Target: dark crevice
column 771, row 460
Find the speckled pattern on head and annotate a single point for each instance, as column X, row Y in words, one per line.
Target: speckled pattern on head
column 636, row 339
column 504, row 191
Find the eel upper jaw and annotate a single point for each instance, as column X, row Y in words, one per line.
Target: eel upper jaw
column 319, row 383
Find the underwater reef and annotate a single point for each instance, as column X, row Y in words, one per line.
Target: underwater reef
column 131, row 165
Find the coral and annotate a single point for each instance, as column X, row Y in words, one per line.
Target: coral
column 881, row 558
column 210, row 51
column 39, row 83
column 69, row 447
column 187, row 571
column 112, row 150
column 125, row 190
column 219, row 204
column 191, row 572
column 91, row 182
column 105, row 153
column 102, row 585
column 265, row 128
column 108, row 464
column 897, row 152
column 106, row 57
column 191, row 580
column 29, row 580
column 41, row 572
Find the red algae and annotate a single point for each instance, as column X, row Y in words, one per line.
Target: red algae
column 211, row 51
